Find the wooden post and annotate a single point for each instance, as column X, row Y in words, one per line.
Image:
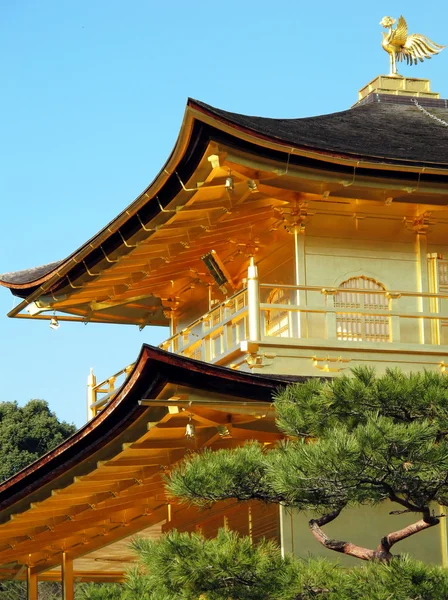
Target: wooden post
column 301, row 318
column 67, row 578
column 433, row 268
column 91, row 395
column 31, row 585
column 330, row 316
column 394, row 333
column 395, row 330
column 253, row 301
column 422, row 284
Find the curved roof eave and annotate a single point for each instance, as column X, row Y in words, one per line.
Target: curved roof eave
column 200, row 120
column 18, row 280
column 300, row 136
column 153, row 369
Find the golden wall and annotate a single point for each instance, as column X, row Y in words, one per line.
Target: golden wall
column 392, row 322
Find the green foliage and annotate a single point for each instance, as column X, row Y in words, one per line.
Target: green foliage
column 354, row 440
column 210, row 476
column 16, row 590
column 184, row 566
column 351, row 440
column 188, row 567
column 99, row 591
column 12, row 590
column 401, row 579
column 27, row 432
column 312, row 408
column 52, row 590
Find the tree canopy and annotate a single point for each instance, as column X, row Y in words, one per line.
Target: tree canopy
column 353, row 440
column 182, row 566
column 358, row 439
column 27, row 432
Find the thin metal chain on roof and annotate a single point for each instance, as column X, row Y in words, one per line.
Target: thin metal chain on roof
column 428, row 114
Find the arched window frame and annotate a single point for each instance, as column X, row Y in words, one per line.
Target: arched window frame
column 355, row 327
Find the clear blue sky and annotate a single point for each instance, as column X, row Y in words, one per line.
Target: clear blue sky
column 93, row 94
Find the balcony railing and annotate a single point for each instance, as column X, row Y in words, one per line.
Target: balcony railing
column 100, row 394
column 348, row 317
column 314, row 313
column 214, row 334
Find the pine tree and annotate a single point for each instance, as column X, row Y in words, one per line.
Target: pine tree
column 98, row 591
column 182, row 566
column 358, row 439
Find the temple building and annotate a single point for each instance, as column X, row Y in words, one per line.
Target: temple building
column 274, row 250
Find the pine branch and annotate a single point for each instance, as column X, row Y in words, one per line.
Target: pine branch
column 337, row 545
column 392, row 538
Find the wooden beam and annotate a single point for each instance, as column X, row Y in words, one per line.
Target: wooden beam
column 109, row 475
column 68, row 592
column 23, row 530
column 210, row 416
column 125, row 462
column 119, row 533
column 149, row 444
column 92, row 497
column 187, row 517
column 77, row 488
column 33, row 516
column 87, row 576
column 239, row 433
column 97, row 518
column 31, row 585
column 21, row 572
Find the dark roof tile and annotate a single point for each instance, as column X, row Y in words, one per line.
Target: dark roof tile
column 28, row 275
column 385, row 132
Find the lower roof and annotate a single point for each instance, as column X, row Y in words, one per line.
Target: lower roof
column 153, row 369
column 106, row 481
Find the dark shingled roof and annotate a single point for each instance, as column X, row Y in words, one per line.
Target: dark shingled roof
column 153, row 369
column 385, row 132
column 28, row 275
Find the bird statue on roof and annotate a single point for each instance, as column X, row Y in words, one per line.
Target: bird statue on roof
column 401, row 46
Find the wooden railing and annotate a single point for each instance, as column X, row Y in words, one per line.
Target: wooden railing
column 317, row 313
column 302, row 313
column 215, row 333
column 100, row 394
column 314, row 312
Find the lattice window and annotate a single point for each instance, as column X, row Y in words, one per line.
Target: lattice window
column 277, row 321
column 354, row 327
column 443, row 274
column 441, row 286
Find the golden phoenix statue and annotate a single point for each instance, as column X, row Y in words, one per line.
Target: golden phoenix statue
column 401, row 46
